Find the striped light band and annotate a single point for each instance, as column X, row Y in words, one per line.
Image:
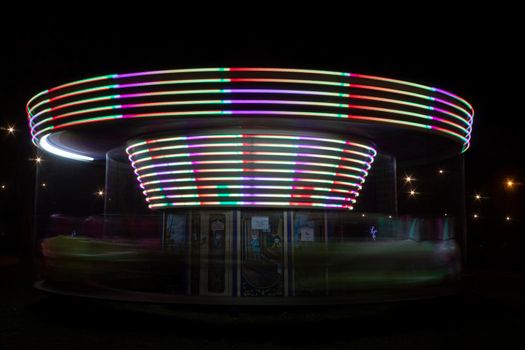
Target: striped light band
column 245, row 203
column 233, row 161
column 262, row 187
column 317, row 93
column 282, row 102
column 256, row 181
column 223, row 91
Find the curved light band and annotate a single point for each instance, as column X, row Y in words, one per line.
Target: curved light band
column 265, row 162
column 465, row 128
column 230, row 91
column 465, row 139
column 60, row 152
column 271, row 92
column 262, row 174
column 257, row 204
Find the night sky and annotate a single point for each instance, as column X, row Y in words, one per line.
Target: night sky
column 467, row 54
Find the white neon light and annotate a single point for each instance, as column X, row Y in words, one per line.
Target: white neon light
column 62, row 153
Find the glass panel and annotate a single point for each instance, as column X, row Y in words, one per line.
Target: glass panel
column 309, row 253
column 195, row 266
column 216, row 253
column 262, row 253
column 175, row 247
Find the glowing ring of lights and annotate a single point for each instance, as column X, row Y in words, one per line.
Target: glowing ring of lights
column 135, row 102
column 251, row 169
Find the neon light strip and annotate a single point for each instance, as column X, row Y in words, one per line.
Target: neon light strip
column 88, row 120
column 386, row 120
column 424, row 87
column 266, row 136
column 239, row 69
column 41, row 93
column 247, row 144
column 372, row 98
column 240, row 112
column 265, row 69
column 362, row 76
column 60, row 152
column 301, row 113
column 172, row 71
column 288, row 70
column 291, row 81
column 265, row 195
column 465, row 138
column 128, row 75
column 83, row 81
column 283, row 102
column 273, row 187
column 189, row 92
column 70, row 104
column 234, row 161
column 84, row 91
column 469, row 115
column 173, row 82
column 141, row 151
column 278, row 154
column 227, row 153
column 121, row 86
column 246, row 178
column 244, row 203
column 223, row 80
column 249, row 170
column 352, row 96
column 412, row 114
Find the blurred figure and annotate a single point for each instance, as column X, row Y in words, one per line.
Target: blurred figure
column 256, row 246
column 373, row 232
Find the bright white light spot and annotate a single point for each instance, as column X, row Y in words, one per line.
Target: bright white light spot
column 60, row 152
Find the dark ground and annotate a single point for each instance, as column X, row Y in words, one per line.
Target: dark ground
column 491, row 312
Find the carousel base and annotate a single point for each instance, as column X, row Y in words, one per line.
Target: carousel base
column 380, row 296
